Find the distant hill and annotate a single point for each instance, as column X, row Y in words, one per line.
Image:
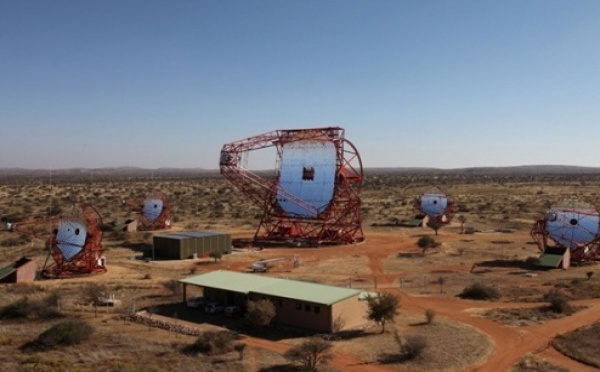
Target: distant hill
column 515, row 170
column 136, row 172
column 116, row 172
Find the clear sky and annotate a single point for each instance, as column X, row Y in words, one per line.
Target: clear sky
column 443, row 84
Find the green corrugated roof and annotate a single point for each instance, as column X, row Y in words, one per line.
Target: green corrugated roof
column 549, row 260
column 415, row 222
column 294, row 289
column 6, row 271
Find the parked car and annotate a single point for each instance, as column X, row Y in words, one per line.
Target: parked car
column 233, row 311
column 196, row 301
column 214, row 307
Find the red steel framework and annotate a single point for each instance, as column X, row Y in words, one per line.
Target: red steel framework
column 338, row 223
column 87, row 262
column 162, row 222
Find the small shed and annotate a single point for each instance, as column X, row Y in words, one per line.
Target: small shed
column 555, row 257
column 23, row 270
column 182, row 245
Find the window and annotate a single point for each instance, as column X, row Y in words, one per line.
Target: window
column 298, row 306
column 307, row 308
column 308, row 174
column 317, row 309
column 280, row 303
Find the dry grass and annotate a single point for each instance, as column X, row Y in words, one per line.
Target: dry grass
column 531, row 363
column 526, row 316
column 581, row 345
column 451, row 346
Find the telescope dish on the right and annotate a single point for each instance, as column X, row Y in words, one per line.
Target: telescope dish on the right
column 572, row 225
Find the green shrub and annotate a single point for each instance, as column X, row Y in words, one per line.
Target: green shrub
column 479, row 291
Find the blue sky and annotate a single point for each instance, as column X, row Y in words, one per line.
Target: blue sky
column 443, row 84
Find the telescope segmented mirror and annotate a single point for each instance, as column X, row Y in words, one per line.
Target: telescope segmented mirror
column 572, row 229
column 433, row 204
column 70, row 238
column 152, row 209
column 308, row 173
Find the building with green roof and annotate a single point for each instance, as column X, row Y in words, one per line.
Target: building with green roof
column 23, row 270
column 318, row 307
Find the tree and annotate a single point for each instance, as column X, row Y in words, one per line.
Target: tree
column 434, row 225
column 240, row 347
column 589, row 274
column 430, row 315
column 462, row 219
column 216, row 255
column 92, row 293
column 441, row 281
column 310, row 353
column 426, row 242
column 382, row 309
column 260, row 313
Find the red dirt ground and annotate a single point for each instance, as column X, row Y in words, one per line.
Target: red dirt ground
column 510, row 343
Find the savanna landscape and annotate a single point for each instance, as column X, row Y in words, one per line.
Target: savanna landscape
column 470, row 300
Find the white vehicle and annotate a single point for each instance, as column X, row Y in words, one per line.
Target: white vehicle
column 195, row 302
column 214, row 307
column 264, row 265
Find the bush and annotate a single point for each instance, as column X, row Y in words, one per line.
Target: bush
column 16, row 241
column 559, row 303
column 92, row 293
column 213, row 343
column 54, row 210
column 65, row 333
column 260, row 313
column 174, row 287
column 413, row 346
column 430, row 315
column 469, row 230
column 427, row 242
column 239, row 347
column 215, row 255
column 310, row 353
column 479, row 291
column 410, row 347
column 25, row 308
